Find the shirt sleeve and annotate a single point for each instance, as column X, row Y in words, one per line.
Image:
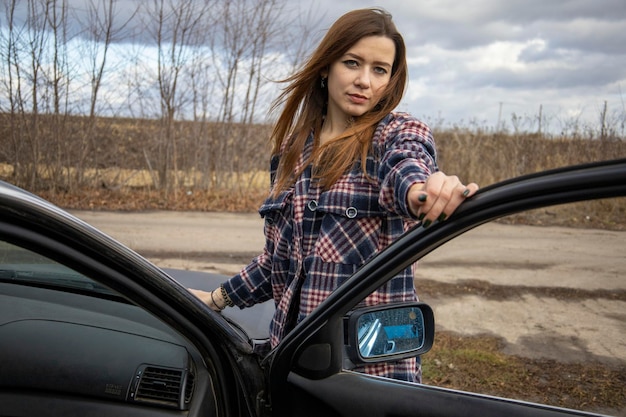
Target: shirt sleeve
column 253, row 284
column 408, row 156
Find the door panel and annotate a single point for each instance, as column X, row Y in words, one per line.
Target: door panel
column 350, row 394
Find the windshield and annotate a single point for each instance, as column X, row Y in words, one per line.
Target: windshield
column 24, row 267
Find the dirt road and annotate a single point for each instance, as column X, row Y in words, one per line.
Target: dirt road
column 549, row 292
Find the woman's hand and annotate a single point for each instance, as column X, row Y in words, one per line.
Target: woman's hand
column 438, row 197
column 213, row 299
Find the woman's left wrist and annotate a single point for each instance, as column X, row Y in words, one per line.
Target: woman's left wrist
column 216, row 299
column 225, row 297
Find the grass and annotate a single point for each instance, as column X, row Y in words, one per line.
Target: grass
column 477, row 364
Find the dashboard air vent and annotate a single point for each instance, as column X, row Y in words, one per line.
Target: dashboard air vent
column 163, row 386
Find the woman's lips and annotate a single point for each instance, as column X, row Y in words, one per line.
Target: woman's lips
column 357, row 98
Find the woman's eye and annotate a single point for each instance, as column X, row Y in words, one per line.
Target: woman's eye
column 351, row 63
column 380, row 70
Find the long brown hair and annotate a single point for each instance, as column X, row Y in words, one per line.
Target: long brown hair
column 305, row 101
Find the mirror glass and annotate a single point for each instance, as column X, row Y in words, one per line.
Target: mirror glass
column 390, row 331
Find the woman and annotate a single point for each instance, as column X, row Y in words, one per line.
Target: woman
column 348, row 176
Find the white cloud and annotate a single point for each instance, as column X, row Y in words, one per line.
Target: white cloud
column 478, row 60
column 484, row 59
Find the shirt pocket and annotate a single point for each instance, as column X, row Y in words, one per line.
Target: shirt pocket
column 277, row 227
column 351, row 224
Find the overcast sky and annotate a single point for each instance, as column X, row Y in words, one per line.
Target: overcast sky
column 477, row 61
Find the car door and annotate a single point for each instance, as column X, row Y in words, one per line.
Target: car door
column 89, row 327
column 306, row 372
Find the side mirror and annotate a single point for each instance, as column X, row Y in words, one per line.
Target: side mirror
column 389, row 332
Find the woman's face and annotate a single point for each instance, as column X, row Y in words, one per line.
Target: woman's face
column 357, row 80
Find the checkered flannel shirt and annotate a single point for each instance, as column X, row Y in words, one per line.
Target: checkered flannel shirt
column 316, row 239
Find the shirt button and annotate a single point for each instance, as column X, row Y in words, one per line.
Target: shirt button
column 312, row 205
column 351, row 212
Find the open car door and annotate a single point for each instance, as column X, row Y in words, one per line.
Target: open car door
column 306, row 372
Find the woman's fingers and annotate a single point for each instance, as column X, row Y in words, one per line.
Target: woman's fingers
column 438, row 197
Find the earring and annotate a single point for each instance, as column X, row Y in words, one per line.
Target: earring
column 323, row 82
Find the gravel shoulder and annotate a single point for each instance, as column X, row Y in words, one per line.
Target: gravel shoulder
column 549, row 292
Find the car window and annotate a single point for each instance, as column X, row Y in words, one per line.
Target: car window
column 531, row 308
column 24, row 267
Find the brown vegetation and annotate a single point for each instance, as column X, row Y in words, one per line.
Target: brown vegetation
column 223, row 167
column 158, row 63
column 478, row 364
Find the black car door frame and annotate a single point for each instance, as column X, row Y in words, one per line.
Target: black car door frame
column 300, row 386
column 37, row 225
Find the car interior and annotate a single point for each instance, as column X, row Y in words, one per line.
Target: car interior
column 67, row 343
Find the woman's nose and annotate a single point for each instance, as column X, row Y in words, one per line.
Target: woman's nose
column 363, row 79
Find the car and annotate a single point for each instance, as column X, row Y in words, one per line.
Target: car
column 88, row 327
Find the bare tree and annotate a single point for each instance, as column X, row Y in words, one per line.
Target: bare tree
column 57, row 76
column 100, row 31
column 203, row 89
column 175, row 25
column 32, row 44
column 38, row 82
column 248, row 37
column 12, row 86
column 246, row 53
column 211, row 64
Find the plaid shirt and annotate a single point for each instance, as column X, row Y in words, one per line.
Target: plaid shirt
column 316, row 239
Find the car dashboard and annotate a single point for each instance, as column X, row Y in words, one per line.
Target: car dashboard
column 67, row 353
